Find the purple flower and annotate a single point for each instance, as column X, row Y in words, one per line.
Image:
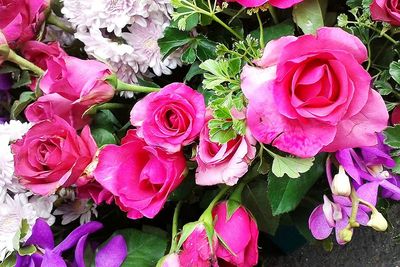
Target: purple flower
column 5, row 82
column 5, row 85
column 50, row 255
column 371, row 164
column 336, row 213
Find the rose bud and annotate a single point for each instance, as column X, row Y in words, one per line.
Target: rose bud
column 239, row 233
column 341, row 183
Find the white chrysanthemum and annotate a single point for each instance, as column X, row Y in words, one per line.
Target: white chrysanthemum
column 13, row 130
column 43, row 205
column 79, row 208
column 124, row 34
column 6, row 167
column 12, row 212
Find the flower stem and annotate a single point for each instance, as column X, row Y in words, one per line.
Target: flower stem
column 56, row 21
column 174, row 242
column 216, row 19
column 8, row 54
column 388, row 37
column 354, row 209
column 262, row 44
column 274, row 16
column 122, row 86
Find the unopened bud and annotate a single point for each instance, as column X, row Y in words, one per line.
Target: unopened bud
column 377, row 221
column 345, row 235
column 341, row 183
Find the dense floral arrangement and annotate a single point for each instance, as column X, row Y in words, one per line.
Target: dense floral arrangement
column 190, row 132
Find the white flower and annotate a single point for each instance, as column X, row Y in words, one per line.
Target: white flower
column 79, row 208
column 12, row 212
column 13, row 130
column 6, row 167
column 341, row 183
column 43, row 205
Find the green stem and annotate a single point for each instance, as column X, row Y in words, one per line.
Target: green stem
column 274, row 16
column 93, row 109
column 236, row 15
column 206, row 216
column 216, row 19
column 122, row 86
column 262, row 44
column 8, row 54
column 174, row 242
column 354, row 208
column 56, row 21
column 376, row 30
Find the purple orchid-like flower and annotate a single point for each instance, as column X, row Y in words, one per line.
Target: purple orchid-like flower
column 336, row 214
column 112, row 254
column 371, row 164
column 5, row 85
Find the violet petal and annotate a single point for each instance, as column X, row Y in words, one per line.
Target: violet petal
column 113, row 253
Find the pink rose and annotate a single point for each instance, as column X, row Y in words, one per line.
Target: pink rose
column 239, row 233
column 275, row 3
column 52, row 155
column 171, row 260
column 139, row 176
column 170, row 118
column 21, row 19
column 93, row 190
column 223, row 163
column 3, row 41
column 386, row 10
column 196, row 250
column 315, row 96
column 38, row 53
column 70, row 86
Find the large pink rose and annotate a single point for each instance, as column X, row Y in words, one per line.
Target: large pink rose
column 170, row 118
column 70, row 86
column 139, row 176
column 276, row 3
column 52, row 155
column 386, row 10
column 38, row 53
column 223, row 163
column 311, row 94
column 196, row 249
column 21, row 19
column 239, row 233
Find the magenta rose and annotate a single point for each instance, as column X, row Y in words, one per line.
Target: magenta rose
column 239, row 233
column 51, row 155
column 139, row 176
column 38, row 53
column 21, row 19
column 3, row 41
column 170, row 118
column 70, row 86
column 311, row 94
column 196, row 249
column 223, row 163
column 386, row 10
column 276, row 3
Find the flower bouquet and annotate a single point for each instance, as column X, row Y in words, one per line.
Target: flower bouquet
column 189, row 132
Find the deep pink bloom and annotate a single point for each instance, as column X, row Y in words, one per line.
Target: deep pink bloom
column 276, row 3
column 386, row 10
column 311, row 94
column 52, row 155
column 170, row 118
column 240, row 234
column 223, row 163
column 21, row 19
column 38, row 53
column 196, row 250
column 395, row 117
column 3, row 41
column 171, row 260
column 93, row 190
column 70, row 86
column 139, row 176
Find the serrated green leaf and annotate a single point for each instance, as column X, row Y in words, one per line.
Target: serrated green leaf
column 309, row 15
column 205, row 48
column 222, row 136
column 172, row 40
column 396, row 168
column 255, row 199
column 144, row 249
column 189, row 56
column 285, row 193
column 292, row 167
column 193, row 71
column 392, row 136
column 394, row 70
column 103, row 137
column 239, row 126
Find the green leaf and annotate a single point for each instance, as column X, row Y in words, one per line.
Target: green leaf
column 309, row 15
column 23, row 79
column 24, row 228
column 28, row 250
column 285, row 28
column 292, row 167
column 189, row 56
column 394, row 71
column 193, row 71
column 187, row 229
column 144, row 249
column 285, row 193
column 383, row 87
column 396, row 168
column 232, row 206
column 205, row 48
column 9, row 261
column 222, row 136
column 103, row 137
column 392, row 136
column 19, row 105
column 172, row 40
column 255, row 199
